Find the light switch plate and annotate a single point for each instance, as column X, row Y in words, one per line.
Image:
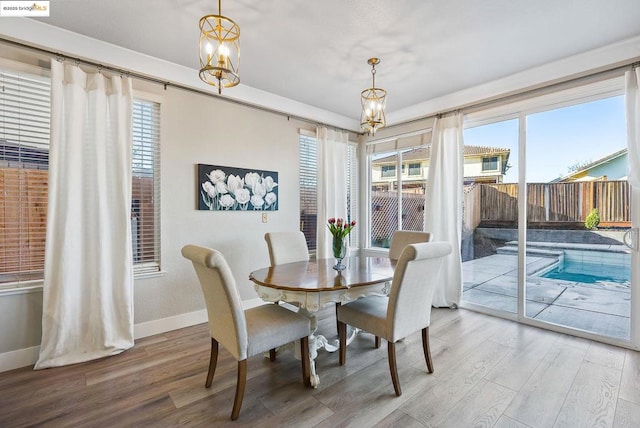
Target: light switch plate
column 264, row 217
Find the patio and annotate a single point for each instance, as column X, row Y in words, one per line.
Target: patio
column 492, row 282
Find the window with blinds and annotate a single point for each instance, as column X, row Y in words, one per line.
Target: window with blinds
column 309, row 189
column 145, row 195
column 25, row 109
column 352, row 191
column 25, row 105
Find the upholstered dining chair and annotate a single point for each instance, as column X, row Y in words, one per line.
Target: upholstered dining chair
column 399, row 240
column 406, row 310
column 402, row 238
column 286, row 247
column 242, row 333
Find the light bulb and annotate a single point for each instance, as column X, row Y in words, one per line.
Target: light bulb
column 223, row 50
column 223, row 55
column 209, row 49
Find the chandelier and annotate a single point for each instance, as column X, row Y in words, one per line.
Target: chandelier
column 219, row 50
column 373, row 103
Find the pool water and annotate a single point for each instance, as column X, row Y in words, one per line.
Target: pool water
column 587, row 273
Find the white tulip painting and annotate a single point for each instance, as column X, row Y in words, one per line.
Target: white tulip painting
column 223, row 188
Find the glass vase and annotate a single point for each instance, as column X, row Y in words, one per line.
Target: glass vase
column 339, row 252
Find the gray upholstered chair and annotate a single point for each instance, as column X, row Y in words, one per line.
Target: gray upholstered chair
column 402, row 238
column 286, row 247
column 243, row 333
column 399, row 240
column 406, row 310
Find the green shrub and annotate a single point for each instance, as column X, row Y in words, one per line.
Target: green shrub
column 593, row 219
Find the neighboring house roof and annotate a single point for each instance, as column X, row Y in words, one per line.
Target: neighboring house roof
column 577, row 173
column 424, row 152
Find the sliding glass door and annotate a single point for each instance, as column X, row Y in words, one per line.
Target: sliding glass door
column 545, row 242
column 578, row 210
column 490, row 217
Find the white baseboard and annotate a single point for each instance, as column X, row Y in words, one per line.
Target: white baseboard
column 20, row 358
column 149, row 328
column 28, row 356
column 162, row 325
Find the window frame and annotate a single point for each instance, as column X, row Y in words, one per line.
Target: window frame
column 22, row 282
column 150, row 268
column 489, row 160
column 385, row 171
column 308, row 173
column 29, row 269
column 413, row 165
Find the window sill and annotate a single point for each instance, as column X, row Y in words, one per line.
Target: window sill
column 147, row 275
column 11, row 290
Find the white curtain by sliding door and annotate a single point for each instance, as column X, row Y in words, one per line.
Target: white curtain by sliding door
column 632, row 104
column 88, row 279
column 443, row 205
column 332, row 179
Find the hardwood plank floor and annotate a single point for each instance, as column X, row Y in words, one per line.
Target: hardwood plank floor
column 489, row 372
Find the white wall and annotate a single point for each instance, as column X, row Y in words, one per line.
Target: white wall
column 195, row 129
column 198, row 129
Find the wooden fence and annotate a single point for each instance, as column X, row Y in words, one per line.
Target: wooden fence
column 550, row 204
column 23, row 221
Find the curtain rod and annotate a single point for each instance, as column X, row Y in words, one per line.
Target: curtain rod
column 166, row 84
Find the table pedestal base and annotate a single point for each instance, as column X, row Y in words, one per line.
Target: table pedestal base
column 310, row 303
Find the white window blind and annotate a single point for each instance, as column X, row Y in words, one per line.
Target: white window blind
column 352, row 191
column 309, row 189
column 25, row 104
column 145, row 195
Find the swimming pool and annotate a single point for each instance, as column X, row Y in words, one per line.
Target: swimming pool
column 590, row 273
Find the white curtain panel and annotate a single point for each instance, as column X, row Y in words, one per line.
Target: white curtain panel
column 332, row 188
column 88, row 279
column 443, row 213
column 632, row 102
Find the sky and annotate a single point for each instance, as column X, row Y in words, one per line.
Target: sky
column 559, row 138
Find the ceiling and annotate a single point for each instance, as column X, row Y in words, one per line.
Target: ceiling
column 316, row 52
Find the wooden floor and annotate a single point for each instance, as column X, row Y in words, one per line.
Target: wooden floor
column 488, row 372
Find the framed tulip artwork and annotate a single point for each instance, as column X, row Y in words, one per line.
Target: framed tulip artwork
column 224, row 188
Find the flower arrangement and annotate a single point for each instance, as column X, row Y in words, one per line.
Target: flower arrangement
column 339, row 228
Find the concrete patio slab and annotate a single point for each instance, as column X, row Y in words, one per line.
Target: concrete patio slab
column 602, row 308
column 537, row 291
column 595, row 300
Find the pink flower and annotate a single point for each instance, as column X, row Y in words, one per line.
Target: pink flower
column 339, row 227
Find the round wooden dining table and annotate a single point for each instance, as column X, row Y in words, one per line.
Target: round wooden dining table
column 312, row 284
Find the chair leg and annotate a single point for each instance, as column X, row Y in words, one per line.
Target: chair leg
column 377, row 342
column 306, row 364
column 242, row 382
column 272, row 355
column 337, row 306
column 427, row 349
column 391, row 348
column 213, row 361
column 342, row 334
